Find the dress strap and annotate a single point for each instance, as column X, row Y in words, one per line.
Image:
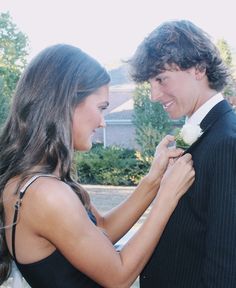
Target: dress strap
column 18, row 205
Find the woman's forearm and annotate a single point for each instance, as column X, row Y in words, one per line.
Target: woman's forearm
column 136, row 252
column 120, row 219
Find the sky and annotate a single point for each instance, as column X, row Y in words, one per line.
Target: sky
column 110, row 30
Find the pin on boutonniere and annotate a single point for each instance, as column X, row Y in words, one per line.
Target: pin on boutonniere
column 187, row 135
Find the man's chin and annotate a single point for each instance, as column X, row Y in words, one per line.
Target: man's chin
column 174, row 116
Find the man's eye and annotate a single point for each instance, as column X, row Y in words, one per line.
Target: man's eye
column 161, row 80
column 158, row 80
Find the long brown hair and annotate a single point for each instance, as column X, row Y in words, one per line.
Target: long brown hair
column 38, row 130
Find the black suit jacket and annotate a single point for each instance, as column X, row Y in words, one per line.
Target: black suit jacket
column 198, row 246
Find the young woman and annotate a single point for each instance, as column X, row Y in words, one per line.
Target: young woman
column 48, row 224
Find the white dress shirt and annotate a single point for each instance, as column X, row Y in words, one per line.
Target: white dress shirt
column 201, row 112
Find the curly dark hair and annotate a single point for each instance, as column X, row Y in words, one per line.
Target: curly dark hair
column 178, row 43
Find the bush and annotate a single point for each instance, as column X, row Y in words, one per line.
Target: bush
column 110, row 166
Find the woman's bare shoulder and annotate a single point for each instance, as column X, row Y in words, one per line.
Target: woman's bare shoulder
column 48, row 198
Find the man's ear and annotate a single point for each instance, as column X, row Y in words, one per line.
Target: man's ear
column 200, row 71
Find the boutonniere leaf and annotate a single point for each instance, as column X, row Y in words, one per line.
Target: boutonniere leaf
column 187, row 135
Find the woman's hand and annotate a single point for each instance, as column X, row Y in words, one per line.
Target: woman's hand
column 177, row 179
column 164, row 155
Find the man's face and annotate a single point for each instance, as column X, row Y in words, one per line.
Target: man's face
column 177, row 91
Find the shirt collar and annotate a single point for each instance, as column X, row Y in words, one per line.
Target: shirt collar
column 200, row 114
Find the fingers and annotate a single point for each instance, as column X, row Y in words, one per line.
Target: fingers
column 172, row 161
column 166, row 141
column 175, row 152
column 177, row 178
column 165, row 144
column 184, row 167
column 186, row 158
column 184, row 174
column 185, row 164
column 187, row 168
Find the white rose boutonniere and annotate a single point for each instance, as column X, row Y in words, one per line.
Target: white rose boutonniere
column 187, row 135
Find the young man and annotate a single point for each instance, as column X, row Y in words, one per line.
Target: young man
column 186, row 75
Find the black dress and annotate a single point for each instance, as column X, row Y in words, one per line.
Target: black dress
column 54, row 271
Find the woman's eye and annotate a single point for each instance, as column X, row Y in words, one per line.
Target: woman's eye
column 102, row 108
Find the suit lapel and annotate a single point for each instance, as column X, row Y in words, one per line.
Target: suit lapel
column 210, row 119
column 215, row 114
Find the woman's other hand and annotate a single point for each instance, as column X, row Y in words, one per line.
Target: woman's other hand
column 163, row 156
column 177, row 179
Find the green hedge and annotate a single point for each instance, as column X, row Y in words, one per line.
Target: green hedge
column 110, row 166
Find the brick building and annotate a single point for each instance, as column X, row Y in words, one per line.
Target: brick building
column 119, row 128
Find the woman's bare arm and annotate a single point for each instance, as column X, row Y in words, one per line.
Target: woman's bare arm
column 121, row 218
column 63, row 221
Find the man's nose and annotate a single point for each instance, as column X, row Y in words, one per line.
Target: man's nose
column 156, row 93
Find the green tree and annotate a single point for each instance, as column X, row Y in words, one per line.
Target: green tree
column 226, row 55
column 150, row 120
column 225, row 52
column 13, row 52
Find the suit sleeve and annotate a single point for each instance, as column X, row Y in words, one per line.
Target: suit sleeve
column 219, row 269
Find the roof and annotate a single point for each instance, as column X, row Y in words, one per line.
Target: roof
column 121, row 102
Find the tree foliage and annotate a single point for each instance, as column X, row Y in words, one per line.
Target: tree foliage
column 226, row 55
column 150, row 120
column 13, row 52
column 225, row 52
